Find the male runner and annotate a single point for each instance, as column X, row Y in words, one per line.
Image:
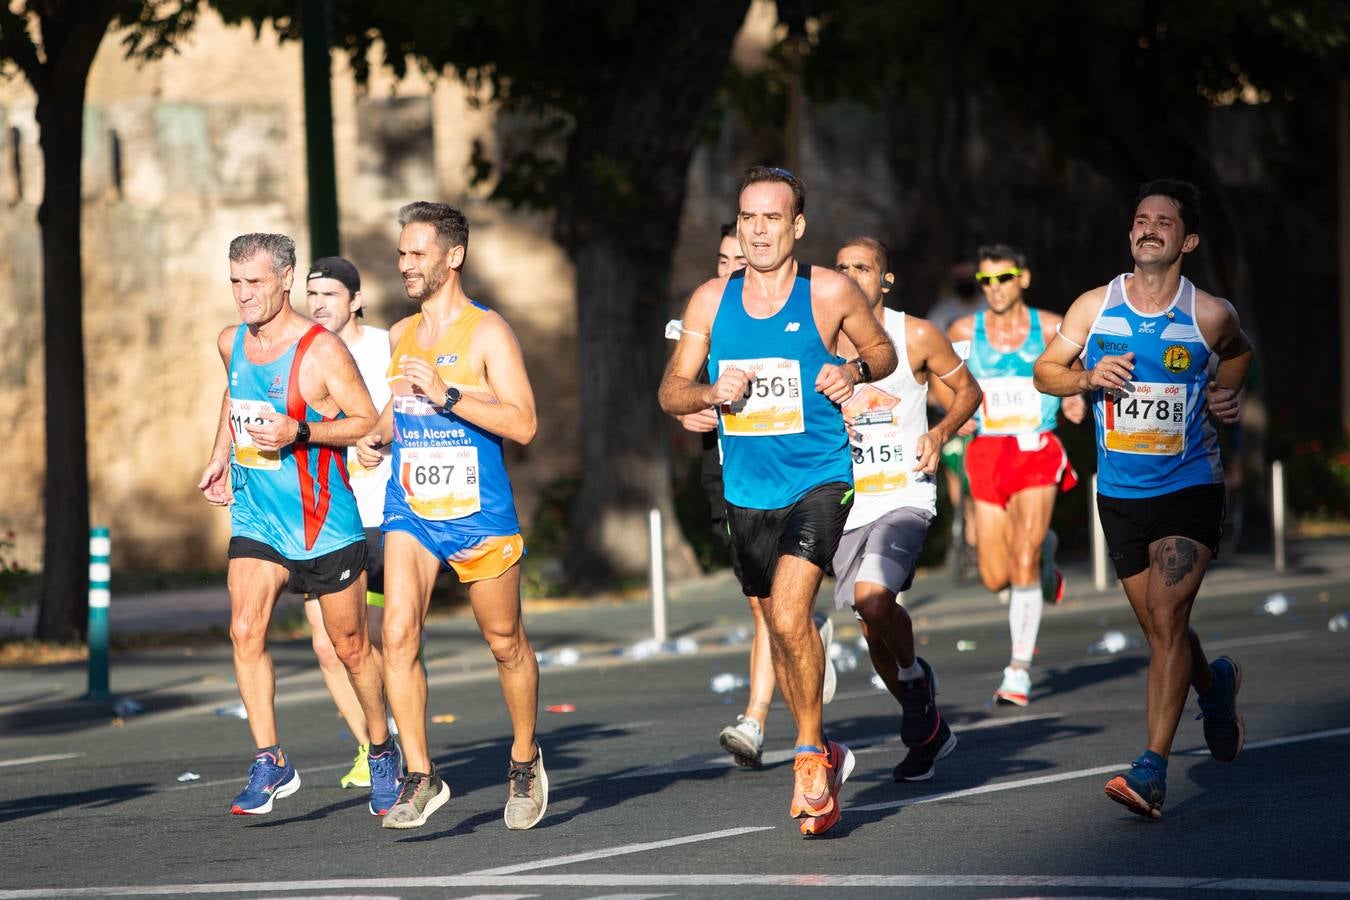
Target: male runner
column 745, row 739
column 767, row 335
column 895, row 456
column 459, row 388
column 1158, row 355
column 333, row 291
column 1016, row 463
column 294, row 395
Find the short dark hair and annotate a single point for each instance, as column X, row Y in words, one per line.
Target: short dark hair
column 1184, row 194
column 280, row 247
column 452, row 229
column 340, row 269
column 1001, row 251
column 729, row 230
column 882, row 252
column 756, row 174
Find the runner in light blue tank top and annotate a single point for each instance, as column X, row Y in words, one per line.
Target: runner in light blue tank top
column 784, row 438
column 993, row 368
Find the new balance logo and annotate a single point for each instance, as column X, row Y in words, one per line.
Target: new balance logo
column 346, row 573
column 793, row 326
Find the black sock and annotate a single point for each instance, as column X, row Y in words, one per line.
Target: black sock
column 377, row 749
column 275, row 750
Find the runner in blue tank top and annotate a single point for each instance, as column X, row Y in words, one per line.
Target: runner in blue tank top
column 294, row 399
column 1159, row 357
column 767, row 336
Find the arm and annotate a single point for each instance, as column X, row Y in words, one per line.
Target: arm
column 939, row 390
column 328, row 363
column 214, row 482
column 1218, row 318
column 1055, row 372
column 1073, row 406
column 944, row 367
column 862, row 330
column 680, row 393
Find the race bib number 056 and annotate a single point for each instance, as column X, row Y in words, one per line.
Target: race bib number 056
column 440, row 483
column 1149, row 420
column 772, row 403
column 246, row 453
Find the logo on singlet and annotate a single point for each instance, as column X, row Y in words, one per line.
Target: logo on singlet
column 793, row 326
column 447, row 360
column 1148, row 327
column 1113, row 346
column 1176, row 359
column 276, row 390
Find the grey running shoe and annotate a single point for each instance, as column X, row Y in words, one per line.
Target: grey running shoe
column 745, row 741
column 1225, row 729
column 826, row 629
column 527, row 792
column 419, row 795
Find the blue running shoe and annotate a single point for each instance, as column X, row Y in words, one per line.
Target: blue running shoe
column 1142, row 790
column 268, row 780
column 385, row 769
column 1225, row 730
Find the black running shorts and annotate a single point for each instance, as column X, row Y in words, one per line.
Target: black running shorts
column 320, row 576
column 374, row 560
column 809, row 529
column 1132, row 524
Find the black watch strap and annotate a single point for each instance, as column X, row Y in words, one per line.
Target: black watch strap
column 452, row 396
column 864, row 371
column 302, row 432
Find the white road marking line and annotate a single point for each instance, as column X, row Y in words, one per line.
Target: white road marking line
column 29, row 760
column 1260, row 639
column 872, row 882
column 621, row 851
column 957, row 727
column 1279, row 742
column 990, row 788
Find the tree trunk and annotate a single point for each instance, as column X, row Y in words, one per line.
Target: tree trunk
column 626, row 170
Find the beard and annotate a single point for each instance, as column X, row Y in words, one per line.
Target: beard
column 431, row 283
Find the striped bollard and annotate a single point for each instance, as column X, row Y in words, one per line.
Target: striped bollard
column 100, row 548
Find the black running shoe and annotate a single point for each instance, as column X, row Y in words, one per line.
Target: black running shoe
column 922, row 761
column 918, row 699
column 1225, row 729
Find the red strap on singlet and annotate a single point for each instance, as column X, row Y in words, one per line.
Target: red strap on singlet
column 314, row 510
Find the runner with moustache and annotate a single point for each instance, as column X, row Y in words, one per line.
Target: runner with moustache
column 459, row 390
column 766, row 335
column 895, row 458
column 294, row 399
column 1160, row 356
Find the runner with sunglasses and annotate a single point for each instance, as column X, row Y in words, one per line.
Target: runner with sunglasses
column 1016, row 464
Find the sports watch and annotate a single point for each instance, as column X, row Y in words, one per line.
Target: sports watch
column 452, row 396
column 301, row 432
column 864, row 371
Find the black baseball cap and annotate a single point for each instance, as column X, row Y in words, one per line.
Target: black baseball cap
column 336, row 267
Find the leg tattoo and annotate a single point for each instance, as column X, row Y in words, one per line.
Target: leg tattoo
column 1176, row 559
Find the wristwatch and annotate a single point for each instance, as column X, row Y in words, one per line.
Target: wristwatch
column 301, row 432
column 864, row 371
column 452, row 396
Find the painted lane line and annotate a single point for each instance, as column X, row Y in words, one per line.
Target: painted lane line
column 1279, row 742
column 990, row 788
column 873, row 882
column 621, row 851
column 1261, row 639
column 29, row 760
column 957, row 727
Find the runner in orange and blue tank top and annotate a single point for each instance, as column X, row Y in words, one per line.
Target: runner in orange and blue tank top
column 459, row 388
column 1160, row 357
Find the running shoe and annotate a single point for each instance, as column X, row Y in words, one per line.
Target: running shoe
column 1015, row 689
column 1052, row 581
column 527, row 792
column 918, row 699
column 1141, row 790
column 920, row 763
column 270, row 779
column 1225, row 730
column 419, row 795
column 819, row 776
column 826, row 629
column 384, row 772
column 744, row 741
column 359, row 776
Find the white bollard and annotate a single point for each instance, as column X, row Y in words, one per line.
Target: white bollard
column 1277, row 512
column 658, row 576
column 1098, row 540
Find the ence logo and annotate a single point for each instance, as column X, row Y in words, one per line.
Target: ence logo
column 1176, row 359
column 1113, row 346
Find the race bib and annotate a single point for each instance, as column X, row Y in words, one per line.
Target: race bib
column 246, row 453
column 1150, row 420
column 1012, row 405
column 440, row 483
column 772, row 403
column 880, row 464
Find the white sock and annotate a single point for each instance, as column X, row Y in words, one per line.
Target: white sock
column 1024, row 621
column 913, row 672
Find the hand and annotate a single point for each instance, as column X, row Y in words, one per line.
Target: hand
column 424, row 378
column 968, row 427
column 729, row 386
column 1074, row 407
column 1225, row 404
column 836, row 382
column 929, row 451
column 215, row 483
column 1112, row 373
column 275, row 432
column 368, row 450
column 702, row 421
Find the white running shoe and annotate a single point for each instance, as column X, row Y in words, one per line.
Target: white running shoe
column 826, row 628
column 1016, row 687
column 744, row 741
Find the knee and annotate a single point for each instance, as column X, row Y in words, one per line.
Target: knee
column 509, row 648
column 350, row 648
column 877, row 608
column 1027, row 556
column 993, row 581
column 248, row 634
column 323, row 650
column 401, row 639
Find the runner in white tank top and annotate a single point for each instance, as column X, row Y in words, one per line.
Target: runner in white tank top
column 895, row 455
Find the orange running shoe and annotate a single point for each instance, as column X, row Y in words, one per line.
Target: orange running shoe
column 815, row 795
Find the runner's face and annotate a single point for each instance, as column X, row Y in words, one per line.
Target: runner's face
column 862, row 265
column 1003, row 295
column 330, row 303
column 422, row 262
column 1158, row 236
column 766, row 227
column 259, row 290
column 729, row 256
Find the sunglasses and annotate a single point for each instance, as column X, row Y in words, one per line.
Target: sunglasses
column 1003, row 277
